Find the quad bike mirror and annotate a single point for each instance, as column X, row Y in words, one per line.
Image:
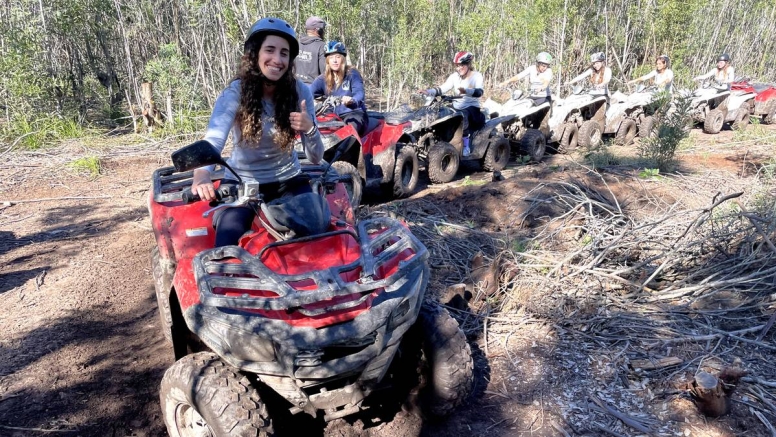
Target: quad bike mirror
column 577, row 89
column 198, row 154
column 517, row 94
column 641, row 88
column 195, row 155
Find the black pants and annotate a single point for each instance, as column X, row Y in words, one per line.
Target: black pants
column 358, row 119
column 474, row 119
column 540, row 100
column 232, row 223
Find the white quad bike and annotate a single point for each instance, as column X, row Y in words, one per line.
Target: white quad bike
column 713, row 104
column 577, row 120
column 629, row 114
column 529, row 128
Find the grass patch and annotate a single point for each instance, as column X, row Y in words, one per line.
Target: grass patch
column 38, row 133
column 602, row 157
column 755, row 132
column 468, row 181
column 89, row 165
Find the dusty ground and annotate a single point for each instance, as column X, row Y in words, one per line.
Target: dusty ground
column 82, row 353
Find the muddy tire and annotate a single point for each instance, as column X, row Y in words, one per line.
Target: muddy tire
column 570, row 139
column 443, row 162
column 497, row 155
column 590, row 134
column 448, row 368
column 714, row 121
column 770, row 118
column 742, row 116
column 405, row 172
column 202, row 395
column 534, row 144
column 353, row 184
column 647, row 128
column 626, row 133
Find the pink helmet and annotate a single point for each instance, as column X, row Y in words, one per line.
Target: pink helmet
column 463, row 58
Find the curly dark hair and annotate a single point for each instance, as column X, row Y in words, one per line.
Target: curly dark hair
column 285, row 98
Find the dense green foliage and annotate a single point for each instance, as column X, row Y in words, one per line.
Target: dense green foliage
column 80, row 61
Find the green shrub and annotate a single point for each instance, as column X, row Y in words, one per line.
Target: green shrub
column 673, row 126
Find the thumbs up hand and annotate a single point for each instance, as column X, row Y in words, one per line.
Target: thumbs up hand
column 301, row 120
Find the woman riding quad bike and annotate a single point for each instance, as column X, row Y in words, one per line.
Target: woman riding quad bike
column 320, row 310
column 345, row 82
column 468, row 84
column 579, row 118
column 264, row 107
column 475, row 139
column 529, row 129
column 714, row 103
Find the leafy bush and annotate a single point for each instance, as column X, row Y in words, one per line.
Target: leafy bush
column 673, row 126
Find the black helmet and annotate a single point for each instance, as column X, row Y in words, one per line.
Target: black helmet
column 724, row 57
column 275, row 26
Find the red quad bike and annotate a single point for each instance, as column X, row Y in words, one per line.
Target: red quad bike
column 764, row 102
column 319, row 310
column 383, row 159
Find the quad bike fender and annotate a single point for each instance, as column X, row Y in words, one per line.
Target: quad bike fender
column 764, row 107
column 353, row 153
column 163, row 270
column 449, row 129
column 380, row 165
column 481, row 138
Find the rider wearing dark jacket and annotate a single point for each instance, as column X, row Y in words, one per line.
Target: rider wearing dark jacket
column 311, row 61
column 342, row 80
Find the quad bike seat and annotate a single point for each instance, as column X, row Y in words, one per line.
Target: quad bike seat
column 304, row 214
column 371, row 125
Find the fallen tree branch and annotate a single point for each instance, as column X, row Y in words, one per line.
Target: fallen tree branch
column 51, row 199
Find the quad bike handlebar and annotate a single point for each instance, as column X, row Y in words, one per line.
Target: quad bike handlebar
column 326, row 104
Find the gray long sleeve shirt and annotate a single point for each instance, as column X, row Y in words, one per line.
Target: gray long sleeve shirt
column 265, row 161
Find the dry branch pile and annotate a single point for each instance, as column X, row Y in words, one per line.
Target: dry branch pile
column 636, row 296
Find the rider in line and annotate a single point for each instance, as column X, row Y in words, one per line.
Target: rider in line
column 600, row 75
column 467, row 83
column 311, row 61
column 539, row 78
column 724, row 74
column 662, row 75
column 264, row 107
column 344, row 81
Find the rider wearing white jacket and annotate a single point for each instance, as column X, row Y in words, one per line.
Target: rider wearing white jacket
column 724, row 74
column 539, row 78
column 469, row 84
column 600, row 75
column 662, row 75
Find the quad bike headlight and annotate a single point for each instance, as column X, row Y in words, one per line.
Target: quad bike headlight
column 399, row 314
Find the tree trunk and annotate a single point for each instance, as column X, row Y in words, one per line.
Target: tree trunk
column 709, row 395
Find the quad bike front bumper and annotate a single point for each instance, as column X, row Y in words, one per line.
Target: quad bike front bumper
column 330, row 368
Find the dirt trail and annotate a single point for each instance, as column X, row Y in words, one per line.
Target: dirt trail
column 82, row 352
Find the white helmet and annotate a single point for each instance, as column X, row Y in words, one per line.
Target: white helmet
column 544, row 58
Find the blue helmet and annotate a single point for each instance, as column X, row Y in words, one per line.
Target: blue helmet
column 335, row 47
column 275, row 26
